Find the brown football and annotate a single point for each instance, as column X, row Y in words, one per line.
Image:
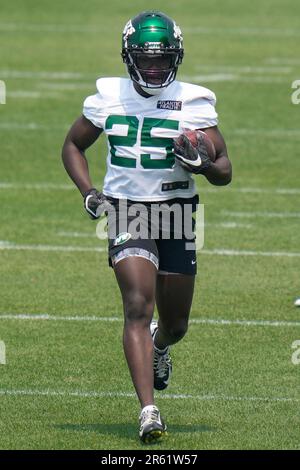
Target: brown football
column 193, row 137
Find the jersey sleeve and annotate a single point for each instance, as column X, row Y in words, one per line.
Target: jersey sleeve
column 94, row 108
column 200, row 112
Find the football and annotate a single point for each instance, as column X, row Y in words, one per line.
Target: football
column 193, row 137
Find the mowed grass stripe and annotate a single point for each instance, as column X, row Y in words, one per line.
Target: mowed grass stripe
column 79, row 28
column 290, row 134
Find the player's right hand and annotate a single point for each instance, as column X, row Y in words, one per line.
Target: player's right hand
column 193, row 159
column 95, row 203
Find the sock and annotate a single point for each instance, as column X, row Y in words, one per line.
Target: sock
column 159, row 351
column 148, row 407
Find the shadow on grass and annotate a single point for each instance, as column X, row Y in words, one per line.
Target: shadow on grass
column 129, row 430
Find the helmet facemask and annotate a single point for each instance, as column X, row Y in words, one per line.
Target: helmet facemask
column 152, row 69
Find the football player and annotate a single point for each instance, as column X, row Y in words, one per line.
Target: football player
column 142, row 117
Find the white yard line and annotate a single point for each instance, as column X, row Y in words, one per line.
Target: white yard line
column 228, row 225
column 226, row 252
column 211, row 77
column 49, row 28
column 31, row 126
column 283, row 191
column 193, row 321
column 6, row 245
column 272, row 133
column 37, row 186
column 114, row 394
column 198, row 78
column 279, row 133
column 89, row 87
column 57, row 186
column 76, row 234
column 218, row 322
column 20, row 94
column 291, row 61
column 224, row 72
column 241, row 31
column 48, row 75
column 62, row 248
column 246, row 69
column 227, row 77
column 46, row 316
column 264, row 214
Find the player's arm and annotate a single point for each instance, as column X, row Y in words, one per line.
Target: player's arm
column 219, row 172
column 80, row 137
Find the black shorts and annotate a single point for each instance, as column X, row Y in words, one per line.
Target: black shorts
column 170, row 242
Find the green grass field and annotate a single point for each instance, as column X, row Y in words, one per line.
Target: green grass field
column 65, row 384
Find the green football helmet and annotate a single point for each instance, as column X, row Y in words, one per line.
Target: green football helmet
column 152, row 49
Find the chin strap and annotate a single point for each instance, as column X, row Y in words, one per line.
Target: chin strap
column 152, row 91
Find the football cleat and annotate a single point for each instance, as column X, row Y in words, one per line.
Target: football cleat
column 162, row 363
column 152, row 427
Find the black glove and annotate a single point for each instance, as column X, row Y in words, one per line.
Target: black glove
column 193, row 159
column 95, row 203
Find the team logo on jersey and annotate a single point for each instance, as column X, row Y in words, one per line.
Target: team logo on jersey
column 122, row 238
column 170, row 105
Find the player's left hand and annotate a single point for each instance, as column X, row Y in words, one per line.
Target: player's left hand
column 95, row 203
column 194, row 159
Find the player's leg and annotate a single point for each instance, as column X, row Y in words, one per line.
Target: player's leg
column 174, row 298
column 135, row 263
column 136, row 278
column 174, row 295
column 174, row 290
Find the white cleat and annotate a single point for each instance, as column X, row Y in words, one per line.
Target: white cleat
column 152, row 427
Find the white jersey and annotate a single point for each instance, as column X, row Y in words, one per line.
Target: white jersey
column 140, row 163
